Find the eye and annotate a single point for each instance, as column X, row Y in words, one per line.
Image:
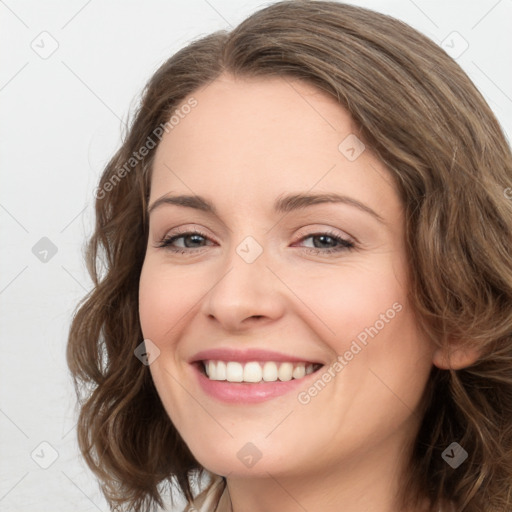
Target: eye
column 327, row 242
column 189, row 241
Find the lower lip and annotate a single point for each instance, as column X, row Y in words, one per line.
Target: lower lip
column 246, row 392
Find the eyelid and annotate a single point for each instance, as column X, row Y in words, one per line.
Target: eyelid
column 187, row 229
column 310, row 231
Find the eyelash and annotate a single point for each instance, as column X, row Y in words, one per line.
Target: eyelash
column 344, row 244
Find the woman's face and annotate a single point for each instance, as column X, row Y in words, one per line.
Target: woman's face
column 313, row 279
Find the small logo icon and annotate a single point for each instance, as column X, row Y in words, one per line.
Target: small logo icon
column 249, row 249
column 454, row 45
column 44, row 250
column 249, row 455
column 146, row 352
column 45, row 45
column 44, row 455
column 351, row 147
column 455, row 455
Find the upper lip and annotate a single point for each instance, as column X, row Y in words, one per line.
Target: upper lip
column 243, row 356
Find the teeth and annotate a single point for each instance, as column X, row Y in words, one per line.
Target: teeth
column 285, row 371
column 270, row 372
column 252, row 372
column 299, row 371
column 255, row 371
column 234, row 372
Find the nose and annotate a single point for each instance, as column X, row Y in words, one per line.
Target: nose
column 245, row 295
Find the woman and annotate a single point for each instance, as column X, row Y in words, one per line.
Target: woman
column 307, row 290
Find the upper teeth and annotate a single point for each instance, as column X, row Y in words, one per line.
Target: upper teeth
column 255, row 371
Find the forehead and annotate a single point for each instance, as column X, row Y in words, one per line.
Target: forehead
column 260, row 115
column 253, row 139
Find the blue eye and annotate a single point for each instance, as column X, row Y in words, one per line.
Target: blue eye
column 192, row 241
column 334, row 243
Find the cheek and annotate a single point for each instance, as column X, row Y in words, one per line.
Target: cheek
column 165, row 298
column 384, row 355
column 347, row 300
column 151, row 295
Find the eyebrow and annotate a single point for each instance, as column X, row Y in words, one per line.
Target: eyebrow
column 283, row 204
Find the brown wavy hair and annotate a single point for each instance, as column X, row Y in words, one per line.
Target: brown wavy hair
column 422, row 116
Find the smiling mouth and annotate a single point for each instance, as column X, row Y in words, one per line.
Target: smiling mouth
column 256, row 371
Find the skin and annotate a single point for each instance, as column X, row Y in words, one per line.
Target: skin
column 246, row 143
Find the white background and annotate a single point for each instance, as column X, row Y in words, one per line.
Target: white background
column 61, row 120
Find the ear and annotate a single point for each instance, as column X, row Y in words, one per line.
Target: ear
column 455, row 356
